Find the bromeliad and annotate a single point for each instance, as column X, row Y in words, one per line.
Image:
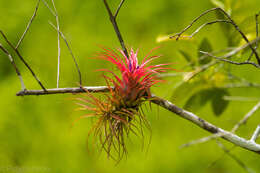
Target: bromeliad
column 119, row 113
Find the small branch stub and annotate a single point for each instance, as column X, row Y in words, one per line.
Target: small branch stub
column 256, row 134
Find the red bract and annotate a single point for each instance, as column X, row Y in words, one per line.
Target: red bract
column 118, row 113
column 136, row 79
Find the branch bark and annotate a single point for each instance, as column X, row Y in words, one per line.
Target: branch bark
column 239, row 141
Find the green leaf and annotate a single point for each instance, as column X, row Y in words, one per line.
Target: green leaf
column 206, row 47
column 198, row 100
column 218, row 104
column 218, row 3
column 185, row 89
column 187, row 58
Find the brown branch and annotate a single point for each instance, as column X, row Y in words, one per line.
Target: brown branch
column 178, row 35
column 257, row 33
column 247, row 144
column 64, row 90
column 22, row 59
column 114, row 23
column 229, row 61
column 14, row 65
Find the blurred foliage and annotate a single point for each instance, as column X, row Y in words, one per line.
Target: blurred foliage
column 38, row 131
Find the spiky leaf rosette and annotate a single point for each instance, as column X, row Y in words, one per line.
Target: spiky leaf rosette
column 119, row 112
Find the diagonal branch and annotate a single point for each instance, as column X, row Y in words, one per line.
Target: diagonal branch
column 256, row 134
column 14, row 65
column 23, row 60
column 118, row 8
column 71, row 53
column 234, row 129
column 246, row 117
column 235, row 158
column 28, row 25
column 114, row 23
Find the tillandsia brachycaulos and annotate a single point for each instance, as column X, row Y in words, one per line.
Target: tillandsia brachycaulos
column 119, row 112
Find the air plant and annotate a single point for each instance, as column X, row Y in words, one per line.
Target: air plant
column 119, row 112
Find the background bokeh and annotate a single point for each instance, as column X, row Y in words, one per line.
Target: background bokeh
column 37, row 131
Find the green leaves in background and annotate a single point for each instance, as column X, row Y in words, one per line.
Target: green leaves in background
column 188, row 58
column 212, row 95
column 218, row 104
column 206, row 47
column 198, row 100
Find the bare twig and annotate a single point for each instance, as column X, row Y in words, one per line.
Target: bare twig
column 229, row 61
column 200, row 27
column 114, row 23
column 235, row 158
column 71, row 53
column 256, row 44
column 189, row 75
column 234, row 129
column 242, row 85
column 64, row 90
column 201, row 140
column 47, row 5
column 23, row 60
column 29, row 24
column 118, row 8
column 178, row 35
column 14, row 65
column 243, row 99
column 246, row 117
column 256, row 134
column 58, row 39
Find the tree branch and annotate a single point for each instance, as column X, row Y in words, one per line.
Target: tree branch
column 29, row 24
column 256, row 134
column 23, row 60
column 246, row 117
column 71, row 53
column 14, row 65
column 58, row 39
column 178, row 35
column 247, row 144
column 229, row 61
column 114, row 23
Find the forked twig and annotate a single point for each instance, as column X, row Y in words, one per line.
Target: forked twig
column 114, row 23
column 229, row 61
column 23, row 60
column 234, row 129
column 71, row 53
column 246, row 117
column 256, row 134
column 14, row 65
column 57, row 28
column 231, row 21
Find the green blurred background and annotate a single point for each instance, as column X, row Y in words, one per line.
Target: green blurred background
column 37, row 131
